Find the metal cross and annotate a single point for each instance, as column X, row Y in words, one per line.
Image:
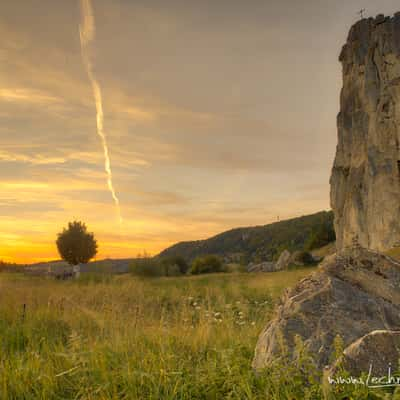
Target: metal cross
column 361, row 12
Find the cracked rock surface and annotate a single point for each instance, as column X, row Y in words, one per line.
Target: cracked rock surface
column 349, row 296
column 365, row 180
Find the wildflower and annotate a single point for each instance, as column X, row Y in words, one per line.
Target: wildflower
column 253, row 323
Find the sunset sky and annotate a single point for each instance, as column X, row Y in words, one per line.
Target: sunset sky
column 218, row 114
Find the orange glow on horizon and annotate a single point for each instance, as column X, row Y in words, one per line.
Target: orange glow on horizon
column 35, row 253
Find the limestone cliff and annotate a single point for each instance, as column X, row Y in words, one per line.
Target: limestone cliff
column 353, row 294
column 365, row 180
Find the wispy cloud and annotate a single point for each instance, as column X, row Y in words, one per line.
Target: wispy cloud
column 25, row 185
column 24, row 208
column 35, row 159
column 138, row 114
column 26, row 95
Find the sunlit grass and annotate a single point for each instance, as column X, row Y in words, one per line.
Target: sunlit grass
column 394, row 252
column 123, row 337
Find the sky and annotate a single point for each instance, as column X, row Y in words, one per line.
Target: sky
column 217, row 114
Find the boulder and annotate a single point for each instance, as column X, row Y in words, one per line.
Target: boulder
column 349, row 296
column 373, row 353
column 266, row 266
column 269, row 266
column 283, row 260
column 253, row 267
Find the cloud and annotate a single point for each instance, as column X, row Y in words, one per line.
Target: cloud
column 26, row 95
column 35, row 159
column 137, row 113
column 26, row 208
column 157, row 198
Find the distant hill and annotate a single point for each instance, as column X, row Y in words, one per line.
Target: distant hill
column 261, row 243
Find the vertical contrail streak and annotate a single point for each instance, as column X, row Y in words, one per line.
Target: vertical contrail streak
column 87, row 33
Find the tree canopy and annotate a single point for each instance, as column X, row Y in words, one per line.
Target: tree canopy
column 75, row 244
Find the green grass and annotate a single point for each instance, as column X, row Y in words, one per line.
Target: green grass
column 123, row 337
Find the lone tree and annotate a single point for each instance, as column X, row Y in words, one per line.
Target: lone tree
column 75, row 244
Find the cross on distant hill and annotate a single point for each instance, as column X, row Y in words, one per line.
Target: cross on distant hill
column 361, row 12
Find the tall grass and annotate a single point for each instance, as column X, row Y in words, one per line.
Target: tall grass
column 130, row 338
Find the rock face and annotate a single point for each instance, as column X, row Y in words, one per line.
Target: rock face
column 365, row 180
column 348, row 296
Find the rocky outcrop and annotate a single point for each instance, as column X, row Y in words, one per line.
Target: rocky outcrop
column 365, row 180
column 348, row 296
column 356, row 291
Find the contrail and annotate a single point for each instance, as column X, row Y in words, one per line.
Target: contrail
column 87, row 34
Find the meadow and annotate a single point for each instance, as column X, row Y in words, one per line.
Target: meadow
column 123, row 337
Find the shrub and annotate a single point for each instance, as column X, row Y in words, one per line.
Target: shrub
column 206, row 264
column 174, row 265
column 153, row 267
column 320, row 236
column 147, row 267
column 306, row 258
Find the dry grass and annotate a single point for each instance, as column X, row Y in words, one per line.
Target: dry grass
column 122, row 337
column 394, row 252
